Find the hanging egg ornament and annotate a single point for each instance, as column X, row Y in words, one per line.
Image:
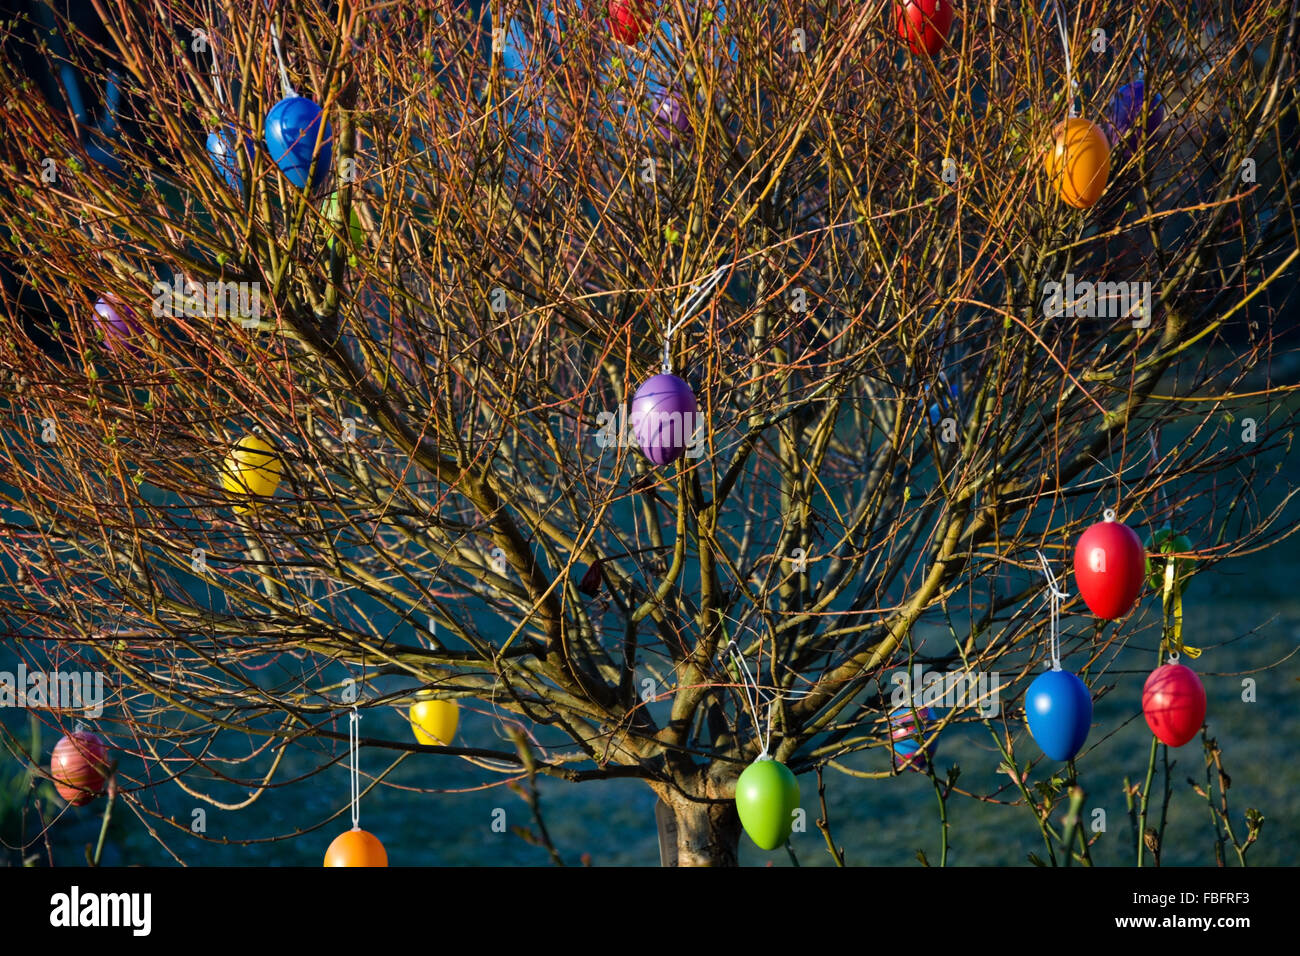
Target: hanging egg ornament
column 669, row 115
column 117, row 323
column 330, row 210
column 1126, row 117
column 1079, row 162
column 224, row 155
column 906, row 735
column 79, row 767
column 1058, row 709
column 924, row 24
column 629, row 20
column 664, row 417
column 434, row 721
column 937, row 409
column 767, row 794
column 292, row 128
column 356, row 847
column 593, row 578
column 1163, row 542
column 1173, row 702
column 1109, row 565
column 251, row 468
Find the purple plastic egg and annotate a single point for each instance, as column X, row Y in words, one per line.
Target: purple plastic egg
column 116, row 322
column 1126, row 116
column 664, row 417
column 670, row 119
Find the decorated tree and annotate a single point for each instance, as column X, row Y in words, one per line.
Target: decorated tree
column 648, row 378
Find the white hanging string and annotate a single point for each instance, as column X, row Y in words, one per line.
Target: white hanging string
column 285, row 86
column 216, row 67
column 354, row 745
column 1054, row 596
column 1069, row 67
column 698, row 296
column 1155, row 460
column 754, row 694
column 216, row 74
column 747, row 680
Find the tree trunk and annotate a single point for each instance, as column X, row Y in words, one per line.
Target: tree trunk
column 697, row 832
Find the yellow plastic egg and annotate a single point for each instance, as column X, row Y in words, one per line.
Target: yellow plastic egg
column 251, row 468
column 1079, row 163
column 434, row 721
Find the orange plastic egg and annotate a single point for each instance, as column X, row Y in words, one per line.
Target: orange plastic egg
column 1079, row 163
column 356, row 848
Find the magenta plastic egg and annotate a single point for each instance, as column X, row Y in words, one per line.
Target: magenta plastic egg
column 664, row 417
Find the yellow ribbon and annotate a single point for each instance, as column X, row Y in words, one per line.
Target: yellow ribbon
column 1173, row 602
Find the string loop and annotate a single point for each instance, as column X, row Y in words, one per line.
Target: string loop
column 1071, row 86
column 286, row 88
column 354, row 746
column 216, row 69
column 690, row 305
column 747, row 681
column 1054, row 596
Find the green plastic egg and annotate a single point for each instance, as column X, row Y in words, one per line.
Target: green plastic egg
column 331, row 212
column 1165, row 541
column 767, row 794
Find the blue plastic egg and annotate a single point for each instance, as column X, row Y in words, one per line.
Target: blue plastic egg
column 936, row 410
column 292, row 127
column 1058, row 708
column 221, row 151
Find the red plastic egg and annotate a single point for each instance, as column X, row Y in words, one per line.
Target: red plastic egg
column 79, row 767
column 628, row 20
column 356, row 847
column 925, row 24
column 1110, row 566
column 1173, row 702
